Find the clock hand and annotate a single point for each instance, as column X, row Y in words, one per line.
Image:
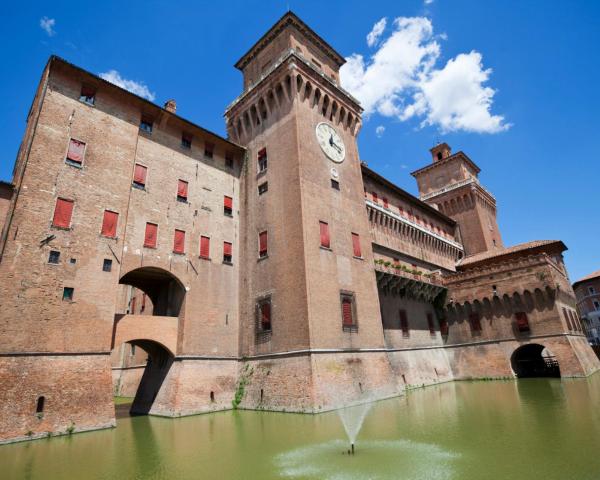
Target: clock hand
column 334, row 145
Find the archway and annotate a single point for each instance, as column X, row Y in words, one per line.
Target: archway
column 165, row 290
column 534, row 360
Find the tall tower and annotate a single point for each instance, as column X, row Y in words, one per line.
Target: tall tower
column 451, row 184
column 309, row 301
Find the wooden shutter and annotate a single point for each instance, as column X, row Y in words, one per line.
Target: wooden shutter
column 262, row 243
column 179, row 241
column 430, row 323
column 324, row 230
column 62, row 213
column 228, row 202
column 265, row 315
column 356, row 245
column 522, row 321
column 475, row 322
column 109, row 224
column 347, row 319
column 76, row 149
column 444, row 326
column 227, row 248
column 204, row 247
column 151, row 235
column 139, row 174
column 375, row 197
column 182, row 189
column 385, row 203
column 403, row 322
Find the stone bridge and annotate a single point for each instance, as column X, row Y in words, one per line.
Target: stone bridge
column 139, row 328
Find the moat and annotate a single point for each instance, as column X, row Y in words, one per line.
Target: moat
column 531, row 428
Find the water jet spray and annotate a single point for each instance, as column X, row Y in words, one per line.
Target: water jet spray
column 352, row 448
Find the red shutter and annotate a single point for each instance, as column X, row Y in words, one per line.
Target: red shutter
column 403, row 322
column 139, row 174
column 209, row 148
column 109, row 224
column 151, row 235
column 179, row 241
column 375, row 197
column 262, row 244
column 204, row 247
column 182, row 189
column 385, row 203
column 356, row 245
column 76, row 149
column 265, row 316
column 347, row 312
column 443, row 326
column 475, row 322
column 262, row 153
column 227, row 248
column 228, row 202
column 324, row 230
column 62, row 213
column 430, row 323
column 522, row 321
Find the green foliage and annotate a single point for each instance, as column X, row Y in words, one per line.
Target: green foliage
column 240, row 391
column 71, row 428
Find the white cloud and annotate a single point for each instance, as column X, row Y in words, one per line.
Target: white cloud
column 139, row 88
column 428, row 2
column 375, row 33
column 47, row 24
column 379, row 131
column 401, row 80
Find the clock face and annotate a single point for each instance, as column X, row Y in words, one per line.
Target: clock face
column 331, row 143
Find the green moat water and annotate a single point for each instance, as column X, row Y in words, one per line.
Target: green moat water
column 526, row 429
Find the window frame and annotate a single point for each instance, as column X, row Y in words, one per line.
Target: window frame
column 263, row 253
column 262, row 158
column 356, row 245
column 349, row 297
column 52, row 256
column 207, row 256
column 327, row 244
column 263, row 188
column 182, row 198
column 71, row 162
column 186, row 140
column 146, row 124
column 63, row 227
column 105, row 262
column 106, row 210
column 83, row 98
column 175, row 250
column 136, row 184
column 227, row 210
column 145, row 236
column 228, row 261
column 263, row 334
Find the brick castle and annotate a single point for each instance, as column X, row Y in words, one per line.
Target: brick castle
column 143, row 254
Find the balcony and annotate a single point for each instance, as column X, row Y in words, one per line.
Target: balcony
column 408, row 283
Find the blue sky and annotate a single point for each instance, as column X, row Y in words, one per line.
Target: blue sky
column 536, row 143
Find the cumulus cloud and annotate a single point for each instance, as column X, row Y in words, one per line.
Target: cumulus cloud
column 379, row 131
column 47, row 25
column 375, row 33
column 139, row 88
column 402, row 80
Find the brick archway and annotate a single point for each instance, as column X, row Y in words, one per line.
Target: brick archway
column 534, row 360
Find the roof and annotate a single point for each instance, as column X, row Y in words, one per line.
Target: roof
column 455, row 156
column 404, row 194
column 591, row 276
column 529, row 248
column 289, row 18
column 56, row 59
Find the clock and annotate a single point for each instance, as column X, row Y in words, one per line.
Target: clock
column 331, row 143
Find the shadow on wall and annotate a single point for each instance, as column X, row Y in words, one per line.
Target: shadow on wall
column 165, row 290
column 534, row 360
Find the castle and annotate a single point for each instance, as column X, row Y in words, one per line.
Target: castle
column 272, row 268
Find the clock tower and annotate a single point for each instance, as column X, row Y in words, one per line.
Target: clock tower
column 309, row 313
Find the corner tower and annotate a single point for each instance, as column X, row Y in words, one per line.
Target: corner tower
column 309, row 305
column 451, row 184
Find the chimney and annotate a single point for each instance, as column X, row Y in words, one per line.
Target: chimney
column 440, row 151
column 171, row 106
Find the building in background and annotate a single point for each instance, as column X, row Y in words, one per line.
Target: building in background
column 587, row 291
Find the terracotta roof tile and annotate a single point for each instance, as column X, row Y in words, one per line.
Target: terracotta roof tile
column 479, row 257
column 588, row 277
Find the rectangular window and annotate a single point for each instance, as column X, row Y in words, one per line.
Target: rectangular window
column 263, row 311
column 146, row 124
column 139, row 176
column 182, row 190
column 430, row 324
column 404, row 323
column 262, row 244
column 75, row 152
column 205, row 248
column 475, row 322
column 348, row 313
column 569, row 326
column 596, row 305
column 229, row 159
column 88, row 95
column 107, row 265
column 151, row 235
column 522, row 321
column 592, row 290
column 186, row 141
column 68, row 294
column 356, row 245
column 262, row 160
column 179, row 242
column 375, row 198
column 209, row 149
column 385, row 203
column 335, row 184
column 228, row 206
column 444, row 326
column 62, row 213
column 227, row 252
column 109, row 224
column 54, row 257
column 324, row 232
column 263, row 188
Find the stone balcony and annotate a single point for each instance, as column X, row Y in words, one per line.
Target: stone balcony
column 396, row 281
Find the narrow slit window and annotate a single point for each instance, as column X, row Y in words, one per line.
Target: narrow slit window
column 227, row 252
column 335, row 184
column 109, row 224
column 179, row 242
column 262, row 244
column 151, row 235
column 62, row 213
column 75, row 152
column 205, row 247
column 262, row 160
column 39, row 406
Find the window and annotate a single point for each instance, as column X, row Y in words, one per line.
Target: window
column 186, row 141
column 443, row 326
column 568, row 320
column 335, row 184
column 54, row 257
column 87, row 95
column 62, row 213
column 430, row 324
column 385, row 203
column 263, row 314
column 475, row 322
column 107, row 265
column 229, row 159
column 591, row 290
column 522, row 321
column 182, row 191
column 146, row 124
column 348, row 313
column 39, row 405
column 404, row 323
column 139, row 176
column 596, row 305
column 375, row 198
column 151, row 235
column 263, row 188
column 205, row 248
column 209, row 148
column 262, row 160
column 228, row 206
column 68, row 294
column 109, row 224
column 179, row 242
column 262, row 244
column 324, row 231
column 227, row 252
column 356, row 245
column 75, row 152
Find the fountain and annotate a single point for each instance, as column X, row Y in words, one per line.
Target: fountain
column 352, row 418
